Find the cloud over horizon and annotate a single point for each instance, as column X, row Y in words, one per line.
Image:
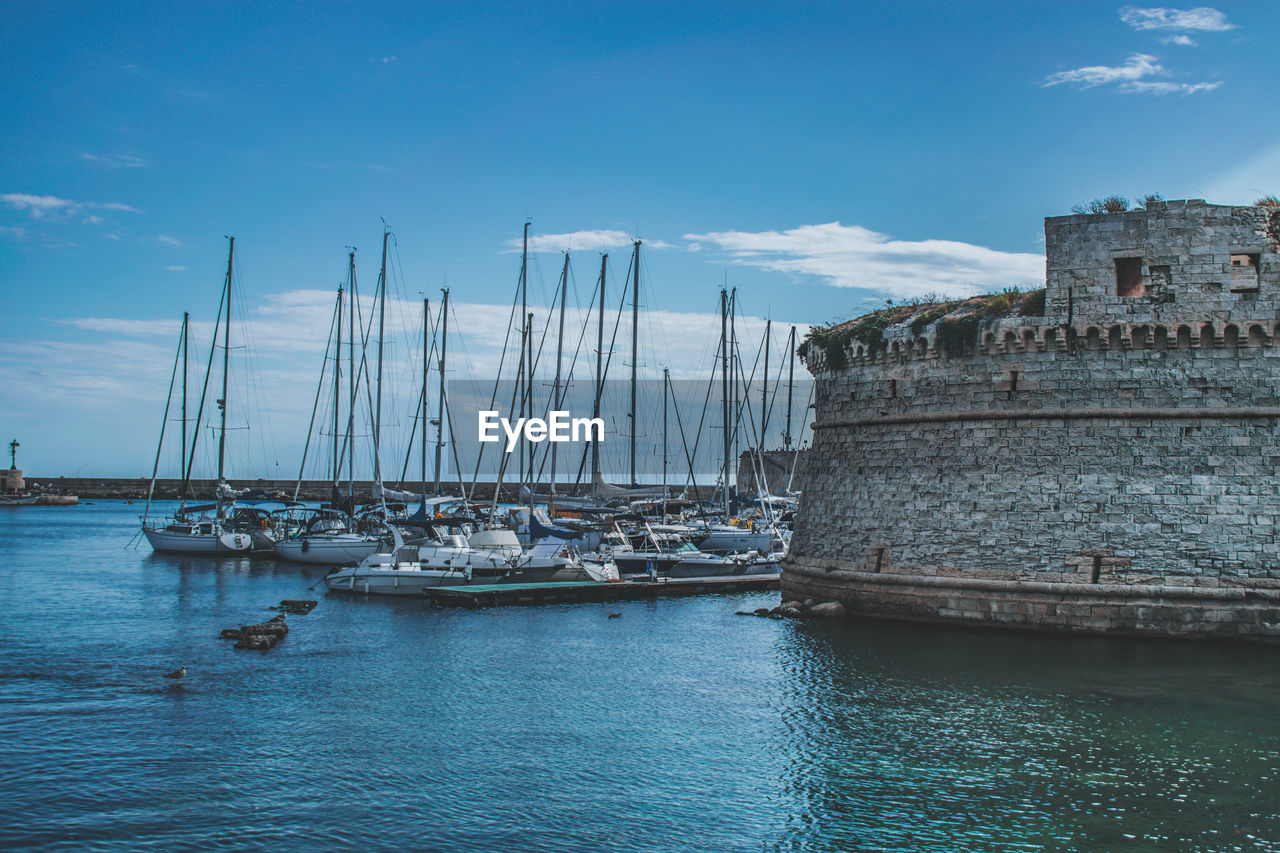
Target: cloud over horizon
column 598, row 240
column 853, row 256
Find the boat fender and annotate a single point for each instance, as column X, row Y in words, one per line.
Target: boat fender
column 264, row 525
column 306, row 546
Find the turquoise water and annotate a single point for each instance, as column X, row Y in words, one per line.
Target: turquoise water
column 383, row 724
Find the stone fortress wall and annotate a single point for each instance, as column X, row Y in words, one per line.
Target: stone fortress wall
column 1111, row 466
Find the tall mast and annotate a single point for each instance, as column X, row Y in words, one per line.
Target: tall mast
column 555, row 387
column 724, row 390
column 764, row 387
column 791, row 377
column 351, row 376
column 524, row 309
column 444, row 343
column 226, row 360
column 382, row 313
column 186, row 345
column 337, row 392
column 422, row 416
column 528, row 367
column 635, row 327
column 733, row 373
column 595, row 409
column 666, row 384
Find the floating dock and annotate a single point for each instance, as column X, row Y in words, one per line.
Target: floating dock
column 498, row 594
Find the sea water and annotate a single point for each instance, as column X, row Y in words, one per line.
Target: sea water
column 677, row 725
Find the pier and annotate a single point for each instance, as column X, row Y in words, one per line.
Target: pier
column 502, row 594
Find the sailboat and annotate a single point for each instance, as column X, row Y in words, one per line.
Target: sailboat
column 191, row 530
column 331, row 536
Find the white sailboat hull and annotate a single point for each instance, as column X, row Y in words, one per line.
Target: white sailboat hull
column 326, row 550
column 173, row 542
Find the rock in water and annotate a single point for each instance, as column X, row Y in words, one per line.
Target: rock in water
column 828, row 609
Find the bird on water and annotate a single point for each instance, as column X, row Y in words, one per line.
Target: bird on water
column 181, row 672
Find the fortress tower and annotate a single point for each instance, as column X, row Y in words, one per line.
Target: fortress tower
column 1104, row 460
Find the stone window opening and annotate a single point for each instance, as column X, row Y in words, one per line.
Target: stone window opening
column 893, row 387
column 1095, row 571
column 1129, row 283
column 1245, row 272
column 879, row 559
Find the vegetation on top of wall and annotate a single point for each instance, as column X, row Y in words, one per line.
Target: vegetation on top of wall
column 1268, row 201
column 1110, row 204
column 958, row 324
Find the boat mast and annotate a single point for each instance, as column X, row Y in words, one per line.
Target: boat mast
column 635, row 326
column 186, row 345
column 791, row 377
column 666, row 385
column 337, row 391
column 724, row 391
column 444, row 343
column 528, row 367
column 422, row 416
column 555, row 387
column 226, row 360
column 382, row 313
column 733, row 379
column 351, row 378
column 595, row 409
column 764, row 387
column 524, row 310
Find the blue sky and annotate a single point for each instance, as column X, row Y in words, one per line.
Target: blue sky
column 732, row 138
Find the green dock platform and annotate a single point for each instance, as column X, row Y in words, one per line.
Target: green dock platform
column 498, row 594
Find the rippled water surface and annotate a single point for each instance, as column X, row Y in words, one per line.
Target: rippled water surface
column 383, row 724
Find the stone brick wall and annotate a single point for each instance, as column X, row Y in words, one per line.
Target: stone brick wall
column 1184, row 270
column 1124, row 450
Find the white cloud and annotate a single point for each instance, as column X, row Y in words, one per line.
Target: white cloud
column 38, row 206
column 176, row 269
column 1180, row 40
column 93, row 219
column 16, row 232
column 119, row 161
column 1203, row 19
column 595, row 240
column 172, row 241
column 52, row 207
column 1153, row 88
column 387, row 60
column 853, row 256
column 1138, row 65
column 1129, row 77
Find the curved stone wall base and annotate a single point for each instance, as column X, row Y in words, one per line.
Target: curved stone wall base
column 1233, row 613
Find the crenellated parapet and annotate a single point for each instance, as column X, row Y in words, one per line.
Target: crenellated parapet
column 1011, row 336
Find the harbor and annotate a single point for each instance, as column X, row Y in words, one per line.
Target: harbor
column 639, row 428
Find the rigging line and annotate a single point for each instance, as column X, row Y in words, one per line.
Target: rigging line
column 685, row 446
column 502, row 465
column 324, row 367
column 493, row 398
column 163, row 422
column 195, row 433
column 706, row 401
column 417, row 413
